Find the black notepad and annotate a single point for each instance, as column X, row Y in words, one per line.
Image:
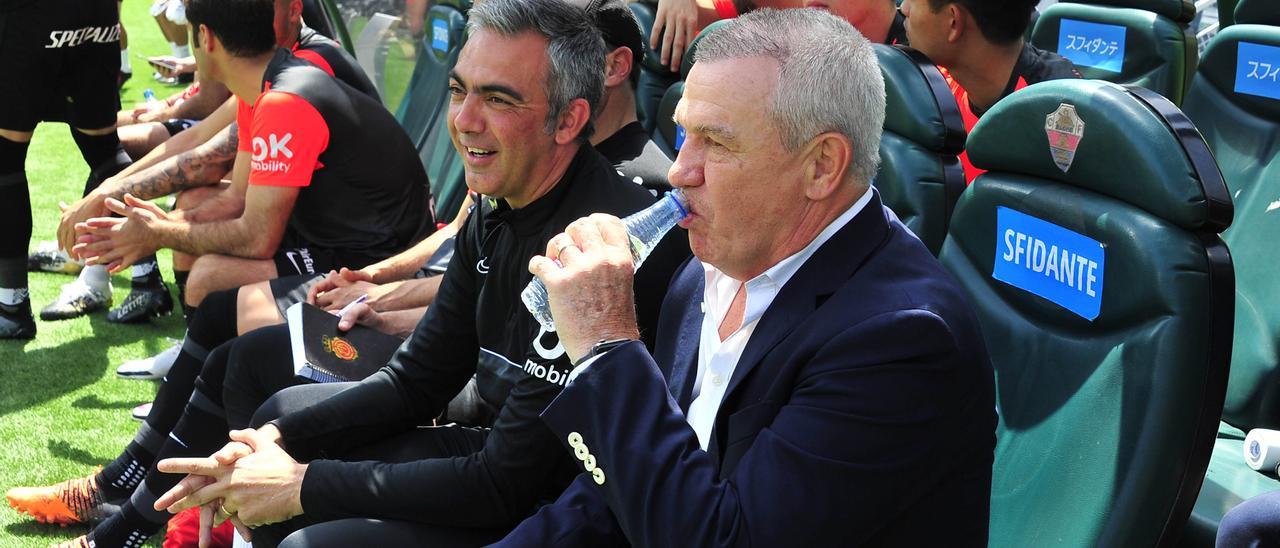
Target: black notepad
column 322, row 353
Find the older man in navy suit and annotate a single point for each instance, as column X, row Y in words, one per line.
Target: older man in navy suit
column 818, row 378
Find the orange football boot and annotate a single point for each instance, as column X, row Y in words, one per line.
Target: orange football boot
column 73, row 501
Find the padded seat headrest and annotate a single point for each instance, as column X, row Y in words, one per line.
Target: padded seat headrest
column 1182, row 11
column 645, row 16
column 1257, row 12
column 1122, row 148
column 689, row 52
column 445, row 31
column 918, row 112
column 463, row 5
column 1243, row 62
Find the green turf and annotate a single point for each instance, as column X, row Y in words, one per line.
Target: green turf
column 62, row 411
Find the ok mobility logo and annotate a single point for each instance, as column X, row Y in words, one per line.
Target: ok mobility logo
column 272, row 147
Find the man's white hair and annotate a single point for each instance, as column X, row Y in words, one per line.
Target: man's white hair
column 828, row 77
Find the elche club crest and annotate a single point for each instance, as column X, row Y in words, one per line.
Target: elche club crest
column 1065, row 129
column 340, row 348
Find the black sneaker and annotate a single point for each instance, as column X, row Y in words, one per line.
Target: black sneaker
column 76, row 299
column 16, row 321
column 143, row 304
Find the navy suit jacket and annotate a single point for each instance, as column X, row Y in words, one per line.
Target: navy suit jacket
column 862, row 412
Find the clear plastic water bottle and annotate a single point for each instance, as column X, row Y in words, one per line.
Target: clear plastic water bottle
column 152, row 103
column 645, row 229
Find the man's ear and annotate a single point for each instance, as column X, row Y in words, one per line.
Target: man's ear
column 826, row 164
column 206, row 38
column 295, row 10
column 617, row 67
column 572, row 120
column 959, row 18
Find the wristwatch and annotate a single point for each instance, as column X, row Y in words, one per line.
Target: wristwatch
column 604, row 345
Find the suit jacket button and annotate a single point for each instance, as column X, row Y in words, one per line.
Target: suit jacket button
column 598, row 475
column 589, row 463
column 575, row 439
column 581, row 452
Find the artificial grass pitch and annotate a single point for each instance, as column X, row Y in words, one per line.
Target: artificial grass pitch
column 62, row 410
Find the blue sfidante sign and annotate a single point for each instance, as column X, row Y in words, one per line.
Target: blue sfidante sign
column 1050, row 261
column 1094, row 45
column 1258, row 70
column 440, row 35
column 679, row 137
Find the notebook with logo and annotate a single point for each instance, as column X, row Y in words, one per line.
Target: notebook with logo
column 322, row 353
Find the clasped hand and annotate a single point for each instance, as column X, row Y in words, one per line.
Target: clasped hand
column 252, row 481
column 588, row 270
column 118, row 242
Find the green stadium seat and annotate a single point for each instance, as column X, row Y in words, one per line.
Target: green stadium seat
column 1122, row 45
column 444, row 169
column 1111, row 372
column 1180, row 11
column 427, row 95
column 1235, row 101
column 1255, row 13
column 686, row 63
column 920, row 177
column 1226, row 13
column 654, row 78
column 666, row 133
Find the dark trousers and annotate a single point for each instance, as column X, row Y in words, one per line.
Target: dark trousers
column 1253, row 524
column 418, row 444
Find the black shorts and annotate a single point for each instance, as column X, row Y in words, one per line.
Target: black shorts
column 177, row 125
column 291, row 290
column 60, row 60
column 304, row 260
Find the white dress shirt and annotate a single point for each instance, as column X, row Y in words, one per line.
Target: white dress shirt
column 717, row 359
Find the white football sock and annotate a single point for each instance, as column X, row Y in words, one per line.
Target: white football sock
column 12, row 296
column 96, row 277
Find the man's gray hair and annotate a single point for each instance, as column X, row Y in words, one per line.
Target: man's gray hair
column 828, row 77
column 575, row 51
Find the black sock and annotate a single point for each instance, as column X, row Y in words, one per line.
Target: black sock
column 213, row 323
column 104, row 154
column 200, row 431
column 15, row 215
column 15, row 219
column 146, row 274
column 128, row 529
column 120, row 477
column 180, row 279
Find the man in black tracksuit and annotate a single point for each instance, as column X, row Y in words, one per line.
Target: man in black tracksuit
column 371, row 476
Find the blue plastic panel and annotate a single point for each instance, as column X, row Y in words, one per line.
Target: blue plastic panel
column 1258, row 70
column 1092, row 44
column 440, row 35
column 1050, row 261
